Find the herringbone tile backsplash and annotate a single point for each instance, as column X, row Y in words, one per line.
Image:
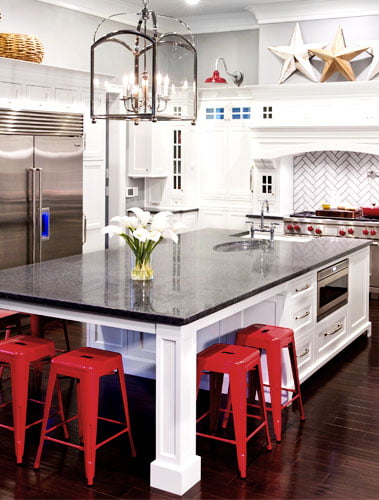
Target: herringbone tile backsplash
column 336, row 177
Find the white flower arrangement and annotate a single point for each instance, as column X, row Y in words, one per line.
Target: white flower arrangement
column 143, row 232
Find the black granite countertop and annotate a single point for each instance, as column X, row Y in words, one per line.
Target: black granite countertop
column 191, row 279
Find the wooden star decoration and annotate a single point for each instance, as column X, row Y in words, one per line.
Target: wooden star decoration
column 296, row 56
column 337, row 58
column 373, row 50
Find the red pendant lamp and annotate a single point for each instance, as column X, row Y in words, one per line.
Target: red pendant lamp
column 237, row 76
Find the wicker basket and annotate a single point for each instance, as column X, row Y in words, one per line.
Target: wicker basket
column 25, row 47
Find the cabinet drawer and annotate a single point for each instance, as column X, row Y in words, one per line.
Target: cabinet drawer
column 304, row 355
column 305, row 286
column 330, row 334
column 302, row 314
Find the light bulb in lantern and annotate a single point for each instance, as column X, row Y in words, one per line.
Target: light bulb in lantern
column 159, row 83
column 166, row 83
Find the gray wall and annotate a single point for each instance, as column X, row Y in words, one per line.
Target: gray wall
column 238, row 48
column 321, row 31
column 66, row 34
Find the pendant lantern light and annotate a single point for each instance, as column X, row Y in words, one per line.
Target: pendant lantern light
column 147, row 75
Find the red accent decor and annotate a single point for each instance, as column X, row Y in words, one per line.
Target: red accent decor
column 310, row 228
column 373, row 232
column 318, row 231
column 273, row 339
column 215, row 78
column 290, row 227
column 19, row 352
column 342, row 232
column 86, row 365
column 365, row 232
column 350, row 230
column 296, row 227
column 236, row 361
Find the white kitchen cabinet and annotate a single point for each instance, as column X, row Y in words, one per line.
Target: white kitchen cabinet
column 359, row 274
column 148, row 150
column 224, row 159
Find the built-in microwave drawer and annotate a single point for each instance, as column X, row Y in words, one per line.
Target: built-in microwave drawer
column 330, row 334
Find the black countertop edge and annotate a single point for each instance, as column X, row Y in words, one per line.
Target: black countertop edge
column 266, row 216
column 170, row 320
column 174, row 210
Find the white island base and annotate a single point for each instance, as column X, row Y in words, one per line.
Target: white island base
column 168, row 353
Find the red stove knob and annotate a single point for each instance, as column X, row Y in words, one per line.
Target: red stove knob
column 373, row 232
column 296, row 227
column 318, row 231
column 365, row 232
column 310, row 228
column 342, row 232
column 290, row 227
column 350, row 230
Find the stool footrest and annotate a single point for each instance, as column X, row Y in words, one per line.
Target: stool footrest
column 81, row 447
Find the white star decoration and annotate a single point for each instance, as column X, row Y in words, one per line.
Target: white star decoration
column 296, row 56
column 373, row 50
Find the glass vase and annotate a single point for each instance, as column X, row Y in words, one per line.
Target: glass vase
column 142, row 269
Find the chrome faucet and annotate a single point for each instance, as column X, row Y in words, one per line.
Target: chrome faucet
column 263, row 228
column 264, row 204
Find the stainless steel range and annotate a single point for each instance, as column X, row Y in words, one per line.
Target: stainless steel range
column 310, row 224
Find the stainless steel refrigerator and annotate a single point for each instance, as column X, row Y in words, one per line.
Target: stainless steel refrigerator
column 41, row 186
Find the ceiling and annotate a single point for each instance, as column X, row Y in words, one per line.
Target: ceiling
column 230, row 15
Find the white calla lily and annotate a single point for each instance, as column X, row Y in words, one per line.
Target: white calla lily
column 112, row 230
column 168, row 234
column 124, row 220
column 179, row 227
column 161, row 221
column 143, row 216
column 141, row 234
column 154, row 235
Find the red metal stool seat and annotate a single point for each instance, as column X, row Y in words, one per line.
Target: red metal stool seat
column 238, row 362
column 273, row 339
column 8, row 321
column 86, row 365
column 19, row 352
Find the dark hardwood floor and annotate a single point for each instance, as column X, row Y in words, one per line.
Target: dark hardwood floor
column 333, row 455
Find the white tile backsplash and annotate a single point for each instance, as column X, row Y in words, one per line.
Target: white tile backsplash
column 336, row 177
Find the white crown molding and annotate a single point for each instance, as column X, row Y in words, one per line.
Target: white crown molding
column 304, row 10
column 217, row 23
column 236, row 21
column 315, row 90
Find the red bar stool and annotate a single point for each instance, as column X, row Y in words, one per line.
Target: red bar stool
column 238, row 362
column 8, row 321
column 273, row 339
column 87, row 365
column 19, row 352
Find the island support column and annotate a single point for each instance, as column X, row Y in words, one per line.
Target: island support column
column 176, row 467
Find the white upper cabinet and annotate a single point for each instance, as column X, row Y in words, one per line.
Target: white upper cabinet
column 148, row 149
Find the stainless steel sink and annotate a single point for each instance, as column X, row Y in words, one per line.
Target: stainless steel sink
column 244, row 245
column 277, row 237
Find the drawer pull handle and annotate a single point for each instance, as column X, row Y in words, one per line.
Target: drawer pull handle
column 306, row 351
column 307, row 313
column 333, row 332
column 305, row 287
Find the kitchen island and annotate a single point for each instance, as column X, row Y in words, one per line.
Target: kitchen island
column 194, row 289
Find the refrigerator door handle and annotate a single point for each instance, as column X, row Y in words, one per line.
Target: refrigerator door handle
column 84, row 238
column 34, row 213
column 39, row 216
